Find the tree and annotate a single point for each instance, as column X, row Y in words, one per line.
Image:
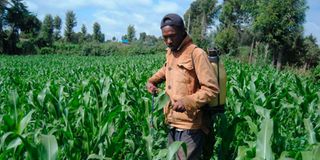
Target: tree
column 198, row 18
column 47, row 30
column 226, row 40
column 279, row 22
column 70, row 24
column 57, row 27
column 142, row 36
column 84, row 29
column 83, row 36
column 97, row 34
column 18, row 20
column 312, row 52
column 3, row 4
column 131, row 33
column 227, row 37
column 114, row 39
column 151, row 40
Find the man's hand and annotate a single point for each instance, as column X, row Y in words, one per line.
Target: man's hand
column 152, row 88
column 178, row 106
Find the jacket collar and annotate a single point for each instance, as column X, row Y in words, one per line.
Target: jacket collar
column 186, row 41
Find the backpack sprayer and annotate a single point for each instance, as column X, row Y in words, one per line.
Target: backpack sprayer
column 216, row 107
column 217, row 104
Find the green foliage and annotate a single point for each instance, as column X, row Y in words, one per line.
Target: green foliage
column 88, row 106
column 98, row 36
column 279, row 23
column 16, row 19
column 253, row 93
column 46, row 50
column 131, row 33
column 57, row 27
column 109, row 48
column 84, row 35
column 227, row 41
column 47, row 31
column 143, row 36
column 198, row 18
column 312, row 51
column 85, row 107
column 316, row 73
column 27, row 47
column 70, row 23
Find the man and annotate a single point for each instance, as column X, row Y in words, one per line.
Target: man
column 190, row 83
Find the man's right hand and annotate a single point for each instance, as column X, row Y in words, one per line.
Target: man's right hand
column 151, row 88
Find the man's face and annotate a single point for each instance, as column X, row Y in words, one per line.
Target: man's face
column 172, row 37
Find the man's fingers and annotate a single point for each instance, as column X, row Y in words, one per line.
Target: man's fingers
column 178, row 107
column 152, row 88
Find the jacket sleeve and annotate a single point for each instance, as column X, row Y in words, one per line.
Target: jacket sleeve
column 207, row 79
column 159, row 76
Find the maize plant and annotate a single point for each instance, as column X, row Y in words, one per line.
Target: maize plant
column 77, row 107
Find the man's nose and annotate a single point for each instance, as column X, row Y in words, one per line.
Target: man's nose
column 169, row 41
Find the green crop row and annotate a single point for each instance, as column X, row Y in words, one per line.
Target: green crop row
column 76, row 107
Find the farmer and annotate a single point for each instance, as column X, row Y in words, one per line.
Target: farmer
column 190, row 83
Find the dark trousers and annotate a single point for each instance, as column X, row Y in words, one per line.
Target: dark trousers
column 194, row 140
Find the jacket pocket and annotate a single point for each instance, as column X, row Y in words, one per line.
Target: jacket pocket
column 184, row 71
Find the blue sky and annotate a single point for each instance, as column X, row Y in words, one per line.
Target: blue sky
column 114, row 16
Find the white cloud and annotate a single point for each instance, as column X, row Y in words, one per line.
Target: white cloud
column 114, row 16
column 139, row 18
column 166, row 7
column 108, row 4
column 66, row 4
column 32, row 5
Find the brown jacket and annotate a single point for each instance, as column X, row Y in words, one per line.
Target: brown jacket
column 190, row 78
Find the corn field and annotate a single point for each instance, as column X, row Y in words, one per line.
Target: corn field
column 76, row 107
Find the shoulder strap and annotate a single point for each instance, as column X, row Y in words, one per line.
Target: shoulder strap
column 192, row 57
column 193, row 65
column 218, row 78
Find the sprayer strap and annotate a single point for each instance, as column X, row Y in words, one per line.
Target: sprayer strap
column 192, row 56
column 218, row 78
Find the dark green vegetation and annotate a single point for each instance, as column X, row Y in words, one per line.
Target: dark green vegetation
column 97, row 107
column 270, row 31
column 21, row 32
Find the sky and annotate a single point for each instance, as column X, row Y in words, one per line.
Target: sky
column 115, row 16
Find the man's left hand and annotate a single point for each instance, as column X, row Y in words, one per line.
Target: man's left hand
column 178, row 106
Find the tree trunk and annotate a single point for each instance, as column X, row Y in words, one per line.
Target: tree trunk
column 279, row 60
column 251, row 50
column 204, row 25
column 188, row 28
column 257, row 51
column 1, row 42
column 274, row 56
column 305, row 66
column 266, row 50
column 1, row 37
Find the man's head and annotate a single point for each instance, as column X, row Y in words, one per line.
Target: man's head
column 173, row 30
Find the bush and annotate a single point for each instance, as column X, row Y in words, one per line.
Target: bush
column 227, row 40
column 46, row 50
column 27, row 47
column 98, row 49
column 67, row 48
column 316, row 73
column 106, row 49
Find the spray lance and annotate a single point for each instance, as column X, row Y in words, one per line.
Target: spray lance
column 154, row 93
